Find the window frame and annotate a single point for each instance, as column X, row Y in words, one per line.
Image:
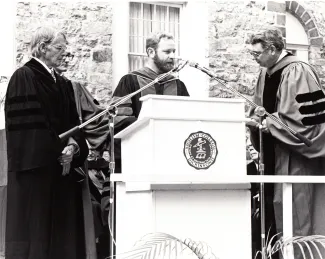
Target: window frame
column 179, row 5
column 299, row 46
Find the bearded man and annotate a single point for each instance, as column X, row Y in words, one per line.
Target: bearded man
column 160, row 48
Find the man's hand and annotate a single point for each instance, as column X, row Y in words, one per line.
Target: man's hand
column 264, row 127
column 66, row 158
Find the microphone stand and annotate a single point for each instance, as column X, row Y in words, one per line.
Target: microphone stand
column 111, row 213
column 112, row 112
column 260, row 112
column 305, row 140
column 112, row 107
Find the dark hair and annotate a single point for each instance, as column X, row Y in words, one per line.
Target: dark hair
column 153, row 40
column 267, row 38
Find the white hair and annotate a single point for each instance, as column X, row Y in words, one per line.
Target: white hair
column 43, row 34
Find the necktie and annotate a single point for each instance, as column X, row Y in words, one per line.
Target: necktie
column 53, row 75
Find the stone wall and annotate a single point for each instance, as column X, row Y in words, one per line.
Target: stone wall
column 230, row 24
column 315, row 28
column 311, row 15
column 89, row 31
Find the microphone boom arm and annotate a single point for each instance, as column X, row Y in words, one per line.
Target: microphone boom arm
column 112, row 108
column 305, row 140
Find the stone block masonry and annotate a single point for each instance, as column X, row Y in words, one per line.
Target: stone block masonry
column 89, row 31
column 232, row 22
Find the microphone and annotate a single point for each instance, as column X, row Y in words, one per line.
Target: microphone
column 180, row 66
column 203, row 69
column 261, row 110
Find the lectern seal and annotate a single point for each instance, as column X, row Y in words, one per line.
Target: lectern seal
column 200, row 150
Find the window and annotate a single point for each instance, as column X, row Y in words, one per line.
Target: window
column 146, row 18
column 296, row 38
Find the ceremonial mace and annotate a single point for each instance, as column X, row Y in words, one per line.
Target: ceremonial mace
column 260, row 112
column 112, row 112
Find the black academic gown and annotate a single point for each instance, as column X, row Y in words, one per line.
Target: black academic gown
column 129, row 111
column 292, row 92
column 44, row 211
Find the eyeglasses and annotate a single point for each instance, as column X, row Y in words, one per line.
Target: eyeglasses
column 60, row 48
column 69, row 56
column 257, row 54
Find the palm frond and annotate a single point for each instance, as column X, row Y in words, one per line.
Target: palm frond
column 201, row 249
column 310, row 246
column 162, row 246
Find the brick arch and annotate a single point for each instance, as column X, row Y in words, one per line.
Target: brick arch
column 306, row 21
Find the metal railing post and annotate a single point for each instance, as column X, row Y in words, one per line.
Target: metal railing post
column 287, row 218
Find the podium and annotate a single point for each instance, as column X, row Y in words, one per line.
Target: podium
column 175, row 159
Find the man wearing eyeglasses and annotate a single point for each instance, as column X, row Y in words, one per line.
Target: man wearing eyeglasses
column 290, row 90
column 96, row 134
column 44, row 212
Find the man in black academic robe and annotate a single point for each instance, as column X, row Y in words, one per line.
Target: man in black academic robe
column 96, row 133
column 291, row 91
column 44, row 212
column 160, row 48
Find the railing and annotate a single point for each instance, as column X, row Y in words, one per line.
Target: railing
column 287, row 182
column 209, row 179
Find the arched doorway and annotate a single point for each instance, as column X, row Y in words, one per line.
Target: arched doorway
column 296, row 38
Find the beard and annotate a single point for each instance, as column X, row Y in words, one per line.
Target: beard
column 162, row 65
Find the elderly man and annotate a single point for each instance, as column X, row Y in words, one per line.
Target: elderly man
column 290, row 89
column 44, row 215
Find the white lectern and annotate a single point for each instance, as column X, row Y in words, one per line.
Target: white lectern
column 175, row 159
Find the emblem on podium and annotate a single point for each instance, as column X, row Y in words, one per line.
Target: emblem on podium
column 200, row 150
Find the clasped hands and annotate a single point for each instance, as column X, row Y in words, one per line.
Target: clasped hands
column 263, row 126
column 265, row 129
column 67, row 155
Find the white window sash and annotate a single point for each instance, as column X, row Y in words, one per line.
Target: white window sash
column 141, row 26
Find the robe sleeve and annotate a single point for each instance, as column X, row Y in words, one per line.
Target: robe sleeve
column 129, row 110
column 81, row 156
column 30, row 144
column 97, row 131
column 182, row 90
column 300, row 105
